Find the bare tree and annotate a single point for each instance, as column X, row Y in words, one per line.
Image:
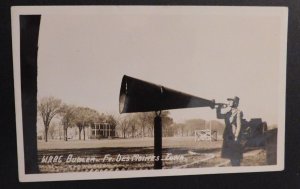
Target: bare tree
column 51, row 130
column 111, row 120
column 194, row 124
column 143, row 121
column 48, row 107
column 84, row 117
column 67, row 118
column 133, row 128
column 179, row 128
column 133, row 124
column 167, row 123
column 124, row 125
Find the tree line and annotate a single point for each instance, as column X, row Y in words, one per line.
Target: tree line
column 69, row 116
column 127, row 126
column 130, row 125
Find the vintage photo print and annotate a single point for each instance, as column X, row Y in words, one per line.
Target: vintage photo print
column 107, row 92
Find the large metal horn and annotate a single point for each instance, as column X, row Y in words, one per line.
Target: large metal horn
column 140, row 96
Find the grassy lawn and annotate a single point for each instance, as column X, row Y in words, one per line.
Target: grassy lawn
column 168, row 142
column 196, row 154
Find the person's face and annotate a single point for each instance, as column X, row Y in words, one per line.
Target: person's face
column 230, row 103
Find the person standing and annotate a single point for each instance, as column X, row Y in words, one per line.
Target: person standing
column 232, row 147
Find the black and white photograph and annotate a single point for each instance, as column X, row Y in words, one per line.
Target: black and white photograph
column 143, row 91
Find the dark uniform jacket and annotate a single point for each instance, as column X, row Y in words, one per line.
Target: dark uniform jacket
column 232, row 148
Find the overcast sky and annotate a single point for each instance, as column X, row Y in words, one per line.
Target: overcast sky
column 213, row 55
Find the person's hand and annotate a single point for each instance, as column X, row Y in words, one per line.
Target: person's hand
column 221, row 105
column 224, row 105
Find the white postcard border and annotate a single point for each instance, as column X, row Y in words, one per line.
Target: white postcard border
column 282, row 12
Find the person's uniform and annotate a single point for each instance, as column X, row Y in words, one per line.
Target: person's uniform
column 232, row 148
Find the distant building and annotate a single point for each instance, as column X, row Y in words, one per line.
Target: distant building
column 101, row 130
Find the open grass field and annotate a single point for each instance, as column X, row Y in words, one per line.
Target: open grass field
column 107, row 154
column 173, row 142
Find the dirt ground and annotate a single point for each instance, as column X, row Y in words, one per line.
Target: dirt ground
column 193, row 154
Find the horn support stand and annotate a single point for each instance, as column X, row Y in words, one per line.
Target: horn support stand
column 158, row 141
column 141, row 96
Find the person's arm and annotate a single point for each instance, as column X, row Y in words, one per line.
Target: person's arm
column 220, row 115
column 238, row 125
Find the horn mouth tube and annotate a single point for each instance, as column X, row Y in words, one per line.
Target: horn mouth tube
column 122, row 103
column 141, row 96
column 122, row 96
